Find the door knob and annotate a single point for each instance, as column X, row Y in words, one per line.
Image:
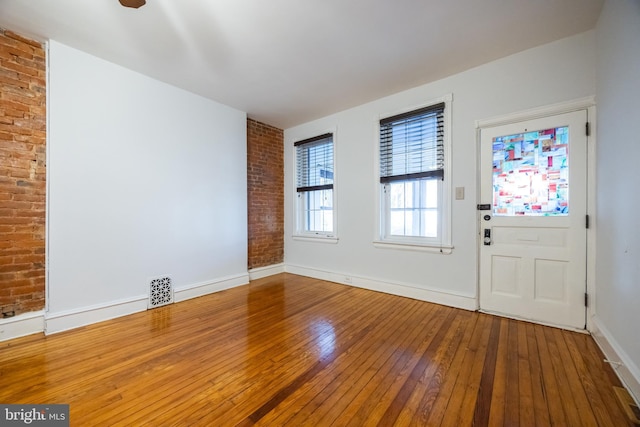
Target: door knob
column 487, row 236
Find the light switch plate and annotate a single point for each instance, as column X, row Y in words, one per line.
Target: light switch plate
column 459, row 193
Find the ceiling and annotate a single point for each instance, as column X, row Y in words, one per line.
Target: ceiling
column 286, row 62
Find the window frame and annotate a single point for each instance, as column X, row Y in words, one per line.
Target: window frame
column 442, row 243
column 300, row 233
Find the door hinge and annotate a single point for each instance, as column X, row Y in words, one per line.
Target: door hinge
column 586, row 299
column 588, row 128
column 586, row 221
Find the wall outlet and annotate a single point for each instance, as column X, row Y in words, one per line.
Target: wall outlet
column 348, row 279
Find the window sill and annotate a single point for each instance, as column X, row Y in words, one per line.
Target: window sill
column 315, row 238
column 432, row 248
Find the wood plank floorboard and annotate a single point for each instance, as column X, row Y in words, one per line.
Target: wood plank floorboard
column 462, row 400
column 434, row 415
column 289, row 350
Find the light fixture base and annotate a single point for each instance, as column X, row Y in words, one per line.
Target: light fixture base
column 133, row 3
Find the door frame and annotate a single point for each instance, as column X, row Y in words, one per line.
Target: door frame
column 588, row 104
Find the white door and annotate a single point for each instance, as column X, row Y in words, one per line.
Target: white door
column 532, row 215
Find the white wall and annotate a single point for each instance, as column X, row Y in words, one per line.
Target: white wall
column 144, row 180
column 553, row 73
column 618, row 231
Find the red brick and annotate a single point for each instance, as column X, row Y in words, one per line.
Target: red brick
column 265, row 192
column 38, row 45
column 22, row 173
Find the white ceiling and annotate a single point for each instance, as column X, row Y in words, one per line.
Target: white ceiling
column 286, row 62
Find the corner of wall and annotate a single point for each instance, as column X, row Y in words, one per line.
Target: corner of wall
column 621, row 363
column 261, row 272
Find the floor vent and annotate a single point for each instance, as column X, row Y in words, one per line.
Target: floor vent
column 160, row 292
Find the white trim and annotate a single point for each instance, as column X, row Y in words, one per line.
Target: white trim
column 204, row 288
column 298, row 232
column 466, row 302
column 591, row 211
column 589, row 104
column 270, row 270
column 71, row 319
column 316, row 239
column 47, row 202
column 432, row 248
column 538, row 112
column 446, row 98
column 336, row 186
column 445, row 214
column 623, row 366
column 21, row 325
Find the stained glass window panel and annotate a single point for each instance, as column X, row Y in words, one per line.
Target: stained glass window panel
column 531, row 173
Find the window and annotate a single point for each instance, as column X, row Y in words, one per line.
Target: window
column 531, row 173
column 413, row 189
column 314, row 185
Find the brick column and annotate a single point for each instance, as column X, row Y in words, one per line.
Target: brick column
column 22, row 174
column 265, row 182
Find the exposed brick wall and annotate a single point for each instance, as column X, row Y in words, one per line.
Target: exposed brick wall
column 22, row 174
column 265, row 182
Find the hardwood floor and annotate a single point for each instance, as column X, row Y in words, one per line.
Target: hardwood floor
column 294, row 351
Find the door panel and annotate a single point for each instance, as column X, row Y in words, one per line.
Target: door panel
column 533, row 254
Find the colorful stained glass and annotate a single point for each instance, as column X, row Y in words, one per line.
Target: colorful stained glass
column 531, row 173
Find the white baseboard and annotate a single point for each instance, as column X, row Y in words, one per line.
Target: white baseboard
column 71, row 319
column 260, row 272
column 22, row 325
column 199, row 289
column 400, row 289
column 623, row 366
